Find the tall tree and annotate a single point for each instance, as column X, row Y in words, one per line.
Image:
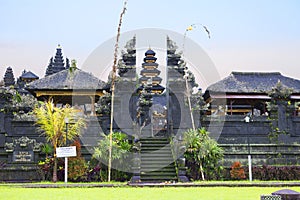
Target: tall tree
column 51, row 121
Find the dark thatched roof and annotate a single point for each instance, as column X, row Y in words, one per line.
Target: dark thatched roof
column 68, row 79
column 29, row 75
column 253, row 82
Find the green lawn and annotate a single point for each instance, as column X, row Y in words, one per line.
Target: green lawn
column 169, row 193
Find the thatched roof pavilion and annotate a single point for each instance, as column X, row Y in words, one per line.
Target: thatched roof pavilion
column 70, row 86
column 244, row 91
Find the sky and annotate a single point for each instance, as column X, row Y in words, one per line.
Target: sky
column 248, row 35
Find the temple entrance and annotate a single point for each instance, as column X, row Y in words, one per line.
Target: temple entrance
column 159, row 119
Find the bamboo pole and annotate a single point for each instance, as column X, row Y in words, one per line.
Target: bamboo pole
column 113, row 78
column 187, row 85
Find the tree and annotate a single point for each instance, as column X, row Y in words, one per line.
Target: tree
column 51, row 121
column 279, row 108
column 202, row 151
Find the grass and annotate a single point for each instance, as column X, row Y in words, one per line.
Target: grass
column 62, row 183
column 244, row 182
column 125, row 193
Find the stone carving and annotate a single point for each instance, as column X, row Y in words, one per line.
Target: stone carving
column 130, row 45
column 9, row 147
column 171, row 45
column 21, row 116
column 23, row 143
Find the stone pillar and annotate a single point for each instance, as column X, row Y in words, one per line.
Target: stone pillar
column 92, row 105
column 136, row 168
column 125, row 89
column 282, row 115
column 123, row 106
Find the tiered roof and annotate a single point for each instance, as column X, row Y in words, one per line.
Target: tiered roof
column 150, row 72
column 9, row 78
column 58, row 64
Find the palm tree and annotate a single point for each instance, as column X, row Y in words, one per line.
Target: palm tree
column 51, row 121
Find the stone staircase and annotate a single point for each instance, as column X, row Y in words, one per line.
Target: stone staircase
column 157, row 163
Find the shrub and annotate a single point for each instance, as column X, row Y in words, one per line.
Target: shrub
column 120, row 156
column 203, row 155
column 283, row 173
column 46, row 169
column 77, row 167
column 237, row 172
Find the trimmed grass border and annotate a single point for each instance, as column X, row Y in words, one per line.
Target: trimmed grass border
column 124, row 184
column 136, row 193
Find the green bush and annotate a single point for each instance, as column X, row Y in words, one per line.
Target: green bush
column 120, row 153
column 203, row 155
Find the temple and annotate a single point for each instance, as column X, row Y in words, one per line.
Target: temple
column 241, row 111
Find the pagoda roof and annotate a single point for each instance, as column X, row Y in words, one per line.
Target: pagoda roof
column 157, row 79
column 150, row 71
column 253, row 83
column 68, row 79
column 153, row 88
column 29, row 75
column 149, row 64
column 148, row 58
column 150, row 52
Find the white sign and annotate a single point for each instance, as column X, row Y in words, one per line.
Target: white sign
column 66, row 151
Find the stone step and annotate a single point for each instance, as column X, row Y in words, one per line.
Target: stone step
column 155, row 145
column 156, row 156
column 158, row 179
column 157, row 163
column 155, row 141
column 154, row 150
column 166, row 169
column 157, row 167
column 154, row 174
column 151, row 151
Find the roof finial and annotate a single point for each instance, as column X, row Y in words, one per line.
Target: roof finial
column 58, row 46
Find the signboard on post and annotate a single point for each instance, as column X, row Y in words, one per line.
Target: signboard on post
column 66, row 152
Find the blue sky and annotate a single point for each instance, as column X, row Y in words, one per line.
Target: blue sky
column 247, row 35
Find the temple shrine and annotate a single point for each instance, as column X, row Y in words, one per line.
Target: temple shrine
column 240, row 111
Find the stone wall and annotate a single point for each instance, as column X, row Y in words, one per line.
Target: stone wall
column 239, row 138
column 20, row 147
column 234, row 138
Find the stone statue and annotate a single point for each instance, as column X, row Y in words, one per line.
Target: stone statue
column 130, row 45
